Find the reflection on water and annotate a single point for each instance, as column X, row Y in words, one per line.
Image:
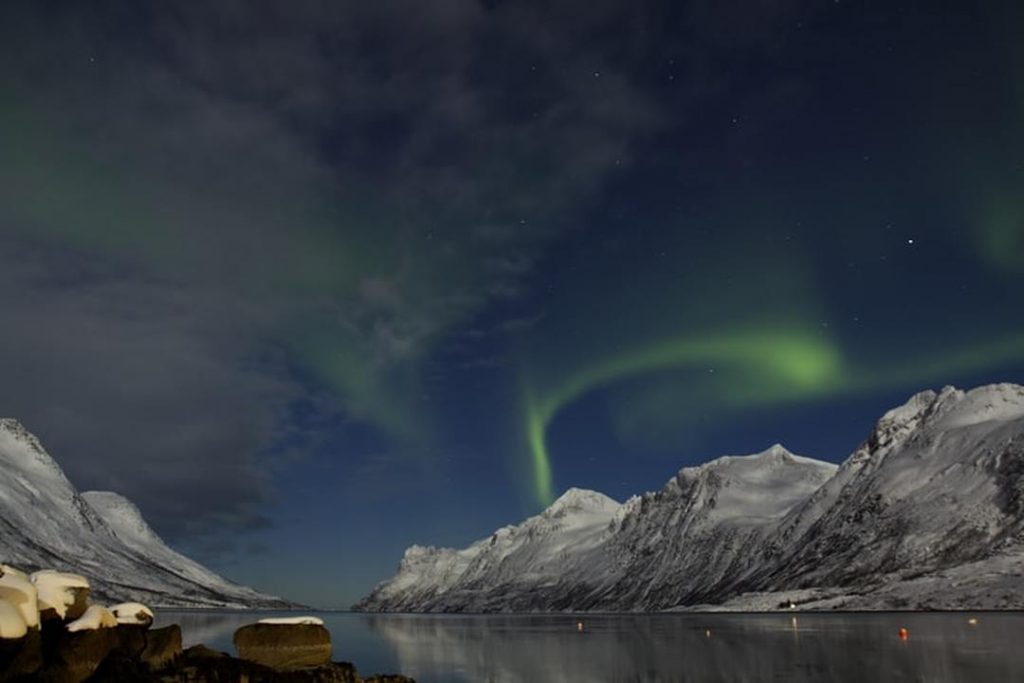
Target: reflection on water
column 662, row 648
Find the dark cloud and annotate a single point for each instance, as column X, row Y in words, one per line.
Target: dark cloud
column 140, row 386
column 214, row 211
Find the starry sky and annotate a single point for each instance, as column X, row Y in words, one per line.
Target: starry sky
column 311, row 282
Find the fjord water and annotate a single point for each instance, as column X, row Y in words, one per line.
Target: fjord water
column 659, row 648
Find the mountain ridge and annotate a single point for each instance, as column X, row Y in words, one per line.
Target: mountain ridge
column 45, row 522
column 934, row 492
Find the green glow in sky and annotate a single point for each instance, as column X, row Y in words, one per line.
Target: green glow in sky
column 779, row 365
column 763, row 368
column 1002, row 233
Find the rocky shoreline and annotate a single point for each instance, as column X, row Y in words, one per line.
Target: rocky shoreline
column 49, row 632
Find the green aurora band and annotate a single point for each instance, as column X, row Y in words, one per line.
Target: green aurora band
column 778, row 366
column 787, row 365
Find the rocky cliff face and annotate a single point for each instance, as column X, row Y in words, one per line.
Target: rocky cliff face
column 46, row 523
column 936, row 485
column 934, row 498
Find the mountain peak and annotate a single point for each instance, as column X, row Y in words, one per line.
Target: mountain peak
column 18, row 431
column 773, row 456
column 777, row 451
column 581, row 500
column 23, row 456
column 982, row 404
column 951, row 407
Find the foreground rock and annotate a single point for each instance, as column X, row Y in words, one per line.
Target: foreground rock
column 21, row 656
column 162, row 648
column 73, row 657
column 284, row 646
column 130, row 653
column 49, row 633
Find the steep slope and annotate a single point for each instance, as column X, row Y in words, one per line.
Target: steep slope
column 937, row 484
column 125, row 520
column 697, row 536
column 46, row 523
column 539, row 564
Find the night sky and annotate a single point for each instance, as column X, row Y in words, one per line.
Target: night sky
column 311, row 282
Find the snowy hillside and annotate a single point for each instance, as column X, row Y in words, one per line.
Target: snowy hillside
column 45, row 522
column 927, row 512
column 517, row 567
column 691, row 540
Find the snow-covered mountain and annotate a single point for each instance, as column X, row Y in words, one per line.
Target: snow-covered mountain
column 927, row 512
column 46, row 523
column 588, row 552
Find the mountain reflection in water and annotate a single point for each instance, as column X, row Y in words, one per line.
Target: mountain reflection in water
column 662, row 648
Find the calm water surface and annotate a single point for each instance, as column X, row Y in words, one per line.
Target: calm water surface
column 656, row 648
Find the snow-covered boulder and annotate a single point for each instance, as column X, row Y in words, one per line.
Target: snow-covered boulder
column 95, row 617
column 12, row 624
column 62, row 592
column 19, row 591
column 132, row 613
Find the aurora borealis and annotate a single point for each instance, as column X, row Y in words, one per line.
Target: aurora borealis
column 326, row 279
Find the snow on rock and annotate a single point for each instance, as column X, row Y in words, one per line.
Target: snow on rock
column 132, row 613
column 12, row 624
column 289, row 621
column 19, row 591
column 8, row 569
column 95, row 617
column 57, row 590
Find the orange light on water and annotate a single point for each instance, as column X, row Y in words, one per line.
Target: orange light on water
column 904, row 633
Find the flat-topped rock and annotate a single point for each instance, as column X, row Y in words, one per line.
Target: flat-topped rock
column 284, row 647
